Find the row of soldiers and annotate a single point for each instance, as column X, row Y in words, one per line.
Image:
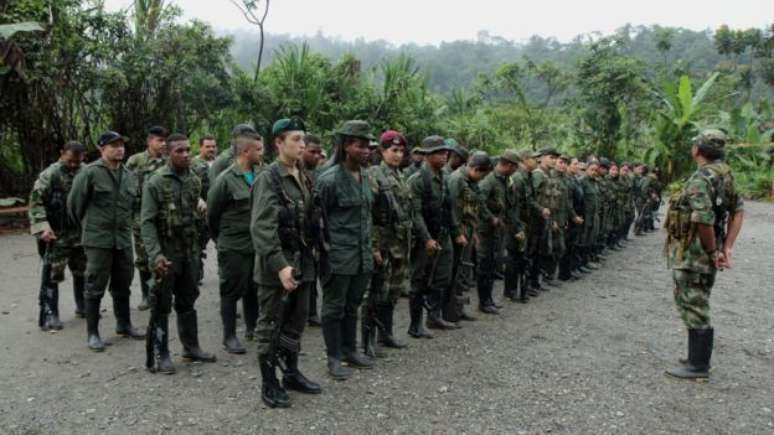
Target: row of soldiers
column 435, row 225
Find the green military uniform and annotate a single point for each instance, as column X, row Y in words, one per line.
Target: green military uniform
column 393, row 220
column 654, row 187
column 168, row 226
column 201, row 168
column 142, row 165
column 617, row 212
column 465, row 197
column 549, row 193
column 518, row 262
column 48, row 211
column 570, row 260
column 494, row 192
column 591, row 217
column 221, row 163
column 434, row 220
column 605, row 207
column 627, row 186
column 228, row 204
column 101, row 200
column 709, row 197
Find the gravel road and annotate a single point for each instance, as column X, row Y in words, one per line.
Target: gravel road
column 585, row 358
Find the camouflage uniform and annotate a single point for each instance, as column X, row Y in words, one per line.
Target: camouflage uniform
column 494, row 192
column 548, row 194
column 48, row 211
column 142, row 165
column 591, row 216
column 464, row 194
column 518, row 263
column 570, row 261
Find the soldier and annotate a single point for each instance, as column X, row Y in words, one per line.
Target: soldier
column 617, row 208
column 344, row 193
column 417, row 158
column 171, row 199
column 228, row 202
column 283, row 231
column 569, row 262
column 492, row 231
column 457, row 157
column 589, row 184
column 703, row 222
column 226, row 158
column 655, row 189
column 143, row 165
column 640, row 197
column 100, row 201
column 392, row 218
column 522, row 195
column 627, row 181
column 547, row 200
column 466, row 202
column 208, row 149
column 58, row 238
column 605, row 205
column 312, row 158
column 434, row 228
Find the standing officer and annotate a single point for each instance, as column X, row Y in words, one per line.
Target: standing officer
column 466, row 202
column 143, row 165
column 226, row 158
column 208, row 150
column 228, row 203
column 311, row 161
column 457, row 158
column 171, row 199
column 344, row 194
column 547, row 199
column 393, row 219
column 522, row 194
column 101, row 202
column 285, row 227
column 492, row 231
column 434, row 227
column 58, row 238
column 703, row 222
column 568, row 262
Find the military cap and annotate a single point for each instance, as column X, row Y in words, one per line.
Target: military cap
column 157, row 130
column 480, row 159
column 285, row 125
column 459, row 150
column 109, row 137
column 451, row 142
column 511, row 156
column 550, row 152
column 240, row 129
column 417, row 150
column 392, row 137
column 433, row 144
column 711, row 137
column 603, row 162
column 528, row 154
column 356, row 128
column 565, row 158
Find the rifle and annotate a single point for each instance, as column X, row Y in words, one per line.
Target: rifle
column 281, row 344
column 430, row 276
column 45, row 294
column 371, row 319
column 154, row 335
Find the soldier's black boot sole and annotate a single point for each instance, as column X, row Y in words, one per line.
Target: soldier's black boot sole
column 700, row 344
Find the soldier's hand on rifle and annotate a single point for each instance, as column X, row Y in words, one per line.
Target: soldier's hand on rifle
column 201, row 206
column 461, row 240
column 289, row 283
column 47, row 235
column 432, row 247
column 520, row 235
column 546, row 213
column 578, row 220
column 378, row 258
column 162, row 266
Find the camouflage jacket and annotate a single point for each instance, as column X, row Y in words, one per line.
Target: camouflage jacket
column 393, row 210
column 465, row 197
column 494, row 202
column 142, row 165
column 48, row 202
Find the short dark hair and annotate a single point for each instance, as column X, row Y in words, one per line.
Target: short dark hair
column 74, row 147
column 710, row 151
column 175, row 137
column 158, row 131
column 206, row 137
column 310, row 138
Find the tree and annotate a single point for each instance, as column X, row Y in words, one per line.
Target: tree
column 250, row 9
column 664, row 39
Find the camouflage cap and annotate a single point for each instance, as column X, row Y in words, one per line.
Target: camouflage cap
column 356, row 128
column 240, row 129
column 434, row 144
column 285, row 125
column 711, row 137
column 528, row 154
column 480, row 159
column 550, row 152
column 511, row 156
column 603, row 162
column 565, row 158
column 459, row 150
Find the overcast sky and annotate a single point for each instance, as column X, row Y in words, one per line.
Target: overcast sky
column 433, row 21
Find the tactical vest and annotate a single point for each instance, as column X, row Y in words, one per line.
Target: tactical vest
column 435, row 211
column 551, row 193
column 295, row 229
column 389, row 210
column 56, row 203
column 680, row 229
column 177, row 219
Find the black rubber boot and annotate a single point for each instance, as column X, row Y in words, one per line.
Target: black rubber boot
column 313, row 319
column 228, row 313
column 250, row 310
column 386, row 314
column 349, row 345
column 294, row 380
column 123, row 321
column 700, row 344
column 145, row 277
column 92, row 325
column 79, row 284
column 331, row 330
column 368, row 334
column 163, row 363
column 272, row 393
column 188, row 331
column 416, row 307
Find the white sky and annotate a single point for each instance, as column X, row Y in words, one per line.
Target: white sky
column 433, row 21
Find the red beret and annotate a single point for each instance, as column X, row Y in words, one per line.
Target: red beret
column 392, row 137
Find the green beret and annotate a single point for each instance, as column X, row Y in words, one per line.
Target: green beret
column 285, row 125
column 511, row 156
column 356, row 128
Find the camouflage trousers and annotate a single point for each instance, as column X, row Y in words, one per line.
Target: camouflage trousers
column 692, row 294
column 140, row 256
column 62, row 257
column 388, row 281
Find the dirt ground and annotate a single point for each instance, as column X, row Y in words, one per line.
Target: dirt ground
column 585, row 358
